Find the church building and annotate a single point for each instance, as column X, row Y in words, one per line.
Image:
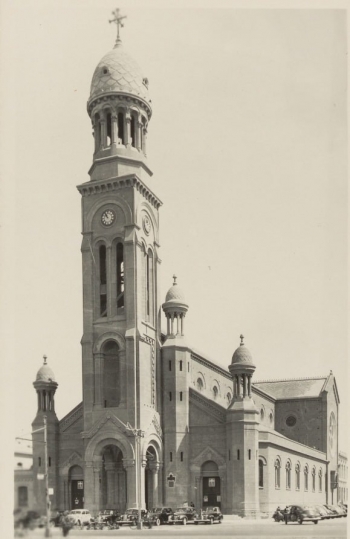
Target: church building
column 160, row 423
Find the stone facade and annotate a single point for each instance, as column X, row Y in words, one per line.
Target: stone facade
column 159, row 422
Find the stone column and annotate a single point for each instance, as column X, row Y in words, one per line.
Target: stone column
column 122, row 367
column 103, row 142
column 131, row 490
column 98, row 369
column 182, row 324
column 114, row 130
column 238, row 385
column 144, row 141
column 110, row 472
column 168, row 325
column 127, row 129
column 143, row 481
column 97, row 468
column 109, row 290
column 89, row 487
column 244, row 376
column 138, row 128
column 249, row 385
column 155, row 481
column 172, row 324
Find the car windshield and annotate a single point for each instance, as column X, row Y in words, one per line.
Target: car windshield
column 75, row 512
column 211, row 508
column 131, row 511
column 156, row 509
column 180, row 510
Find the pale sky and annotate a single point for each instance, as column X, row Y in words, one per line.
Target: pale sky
column 248, row 147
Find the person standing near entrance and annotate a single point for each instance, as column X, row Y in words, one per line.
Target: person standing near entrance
column 66, row 523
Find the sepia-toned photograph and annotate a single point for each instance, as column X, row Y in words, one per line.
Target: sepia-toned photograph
column 174, row 281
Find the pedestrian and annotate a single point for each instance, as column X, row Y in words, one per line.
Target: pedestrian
column 66, row 523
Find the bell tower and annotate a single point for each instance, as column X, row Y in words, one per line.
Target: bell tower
column 120, row 228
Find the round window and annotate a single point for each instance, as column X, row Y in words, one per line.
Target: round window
column 291, row 421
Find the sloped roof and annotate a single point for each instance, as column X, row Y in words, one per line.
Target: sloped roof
column 293, row 388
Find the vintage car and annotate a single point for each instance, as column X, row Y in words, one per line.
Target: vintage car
column 160, row 515
column 80, row 517
column 302, row 513
column 183, row 515
column 130, row 517
column 209, row 515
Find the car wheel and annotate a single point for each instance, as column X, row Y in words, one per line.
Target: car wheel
column 300, row 520
column 157, row 522
column 315, row 521
column 184, row 521
column 211, row 521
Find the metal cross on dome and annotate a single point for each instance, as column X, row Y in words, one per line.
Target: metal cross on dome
column 118, row 21
column 174, row 277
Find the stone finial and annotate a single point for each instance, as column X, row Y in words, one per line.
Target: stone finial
column 242, row 339
column 45, row 358
column 174, row 277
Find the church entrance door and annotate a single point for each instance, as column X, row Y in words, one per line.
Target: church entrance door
column 211, row 487
column 76, row 487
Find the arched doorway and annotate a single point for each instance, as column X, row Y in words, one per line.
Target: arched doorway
column 211, row 486
column 151, row 478
column 76, row 487
column 113, row 479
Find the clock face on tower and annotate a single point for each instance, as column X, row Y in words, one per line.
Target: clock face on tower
column 108, row 217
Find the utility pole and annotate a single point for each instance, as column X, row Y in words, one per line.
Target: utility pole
column 47, row 496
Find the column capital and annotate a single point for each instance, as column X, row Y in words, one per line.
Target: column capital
column 128, row 463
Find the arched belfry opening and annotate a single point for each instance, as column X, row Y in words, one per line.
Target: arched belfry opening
column 113, row 482
column 111, row 374
column 211, row 484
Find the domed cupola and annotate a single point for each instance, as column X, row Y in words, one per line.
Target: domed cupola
column 175, row 307
column 242, row 369
column 119, row 105
column 45, row 385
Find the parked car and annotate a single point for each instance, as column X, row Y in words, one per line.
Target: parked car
column 302, row 513
column 80, row 517
column 338, row 511
column 183, row 515
column 160, row 515
column 130, row 517
column 209, row 515
column 324, row 513
column 28, row 520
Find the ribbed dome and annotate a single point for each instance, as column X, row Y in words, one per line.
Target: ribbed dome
column 45, row 374
column 175, row 293
column 118, row 72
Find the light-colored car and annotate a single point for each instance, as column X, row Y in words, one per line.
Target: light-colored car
column 80, row 517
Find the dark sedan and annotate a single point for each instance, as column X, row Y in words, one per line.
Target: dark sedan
column 160, row 515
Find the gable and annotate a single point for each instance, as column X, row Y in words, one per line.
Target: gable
column 73, row 421
column 202, row 409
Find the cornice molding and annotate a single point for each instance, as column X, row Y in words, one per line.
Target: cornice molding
column 114, row 184
column 196, row 357
column 207, row 406
column 73, row 416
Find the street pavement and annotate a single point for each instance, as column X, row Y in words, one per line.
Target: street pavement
column 264, row 529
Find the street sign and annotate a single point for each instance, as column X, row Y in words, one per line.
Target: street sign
column 40, row 476
column 50, row 491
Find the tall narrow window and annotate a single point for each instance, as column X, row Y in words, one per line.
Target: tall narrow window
column 249, row 454
column 49, row 461
column 22, row 496
column 103, row 280
column 44, row 400
column 170, row 396
column 120, row 276
column 121, row 137
column 238, row 454
column 320, row 480
column 181, row 456
column 180, row 395
column 39, row 461
column 169, row 364
column 313, row 479
column 180, row 365
column 297, row 477
column 288, row 475
column 277, row 473
column 229, row 455
column 261, row 473
column 97, row 132
column 109, row 129
column 133, row 131
column 306, row 477
column 171, row 456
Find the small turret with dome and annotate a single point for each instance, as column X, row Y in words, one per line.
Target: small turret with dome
column 175, row 307
column 119, row 105
column 45, row 385
column 242, row 369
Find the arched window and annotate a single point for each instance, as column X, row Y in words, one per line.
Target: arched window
column 228, row 397
column 149, row 286
column 199, row 384
column 111, row 374
column 261, row 473
column 22, row 496
column 313, row 475
column 215, row 392
column 103, row 279
column 297, row 476
column 277, row 473
column 288, row 475
column 120, row 276
column 262, row 414
column 121, row 135
column 320, row 480
column 306, row 477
